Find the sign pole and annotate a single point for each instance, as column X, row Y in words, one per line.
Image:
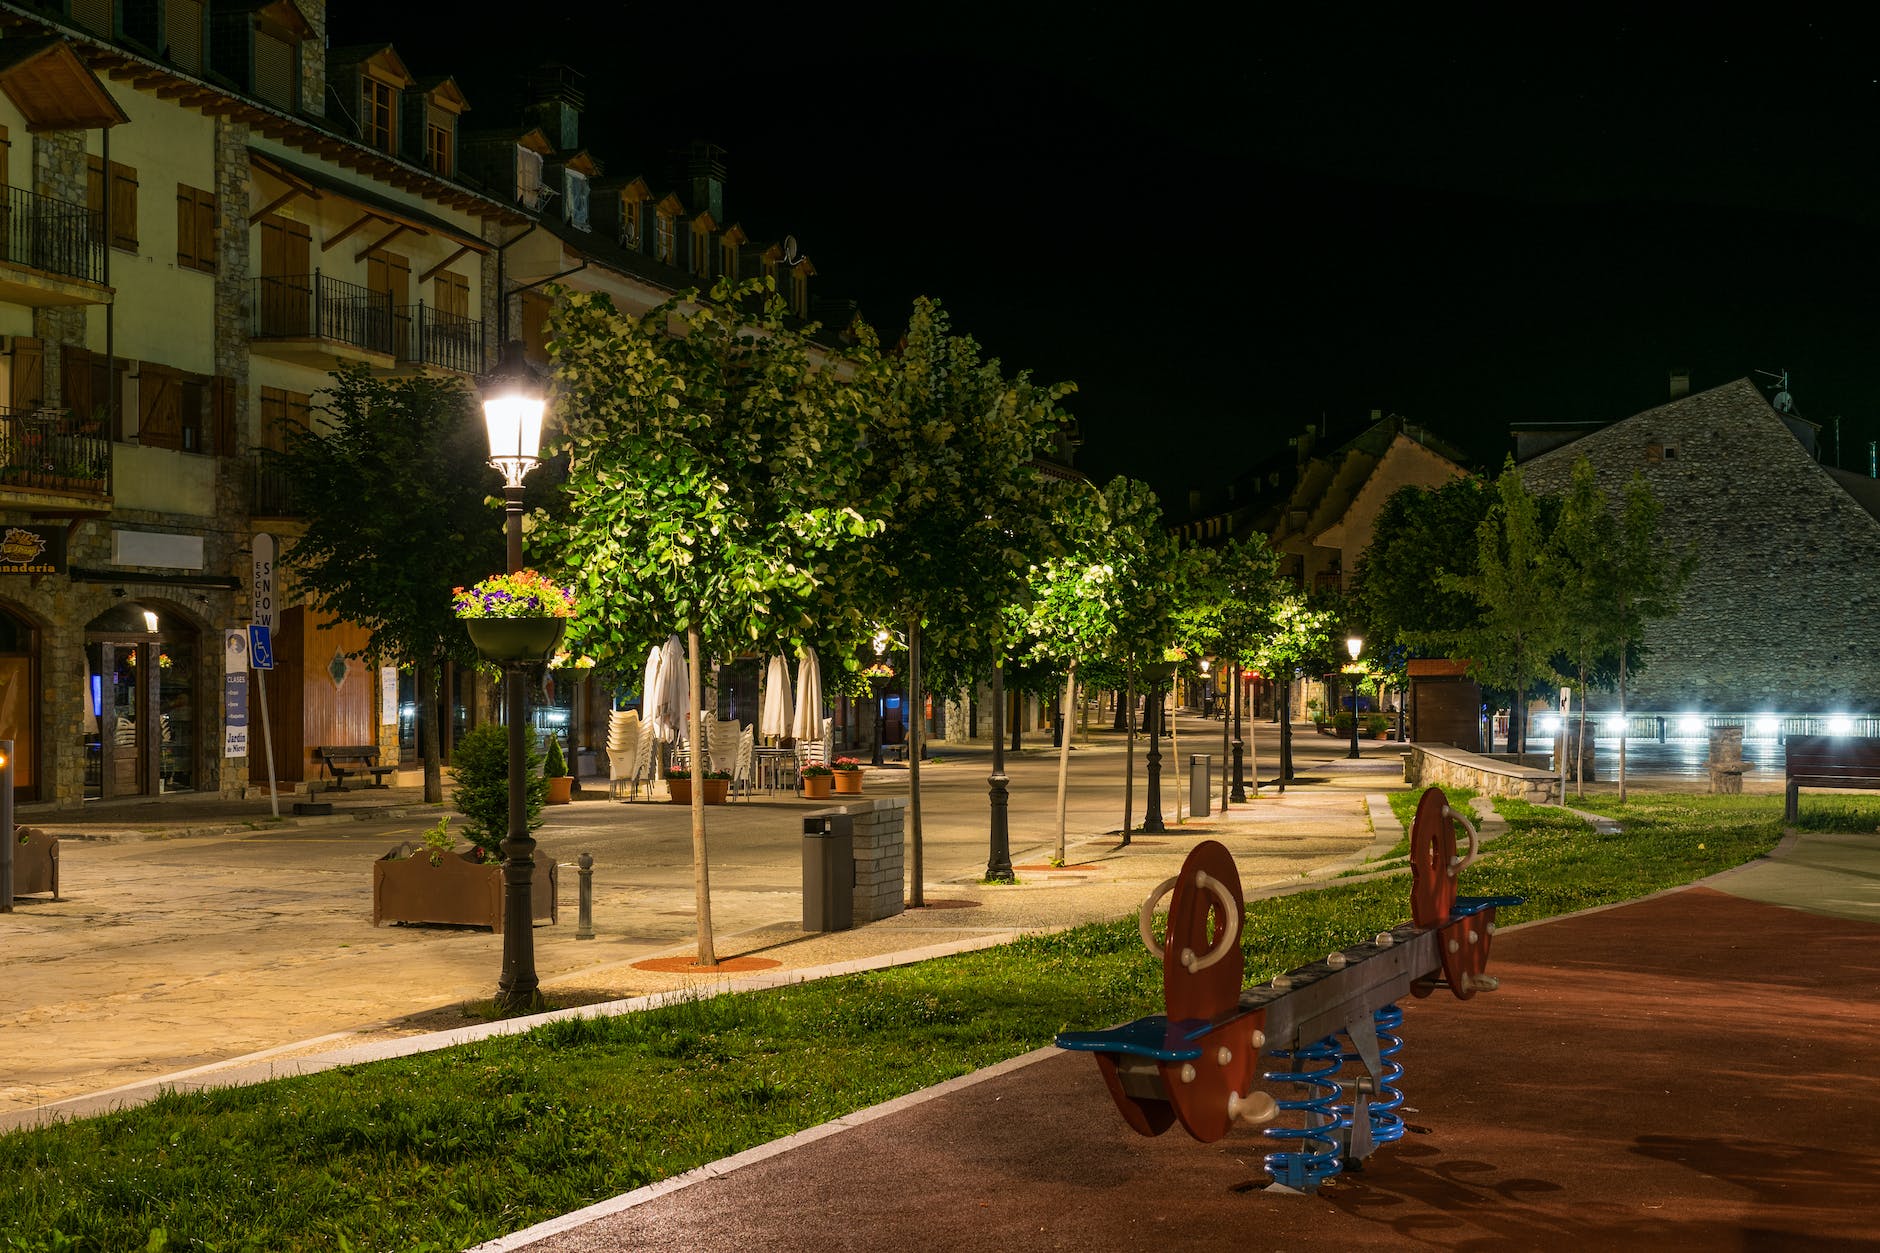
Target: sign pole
column 267, row 741
column 263, row 614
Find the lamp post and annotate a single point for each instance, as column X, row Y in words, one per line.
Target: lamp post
column 878, row 676
column 999, row 856
column 1239, row 794
column 1354, row 645
column 513, row 403
column 1153, row 715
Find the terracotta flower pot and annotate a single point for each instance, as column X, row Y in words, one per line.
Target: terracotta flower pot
column 848, row 782
column 816, row 786
column 560, row 789
column 515, row 639
column 717, row 791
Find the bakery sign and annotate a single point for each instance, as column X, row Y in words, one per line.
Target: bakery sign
column 32, row 550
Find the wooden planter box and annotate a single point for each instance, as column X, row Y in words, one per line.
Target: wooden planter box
column 848, row 782
column 35, row 862
column 680, row 786
column 457, row 891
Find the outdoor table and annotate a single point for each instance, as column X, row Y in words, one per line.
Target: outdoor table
column 772, row 765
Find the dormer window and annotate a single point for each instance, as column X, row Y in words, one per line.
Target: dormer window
column 528, row 178
column 437, row 148
column 380, row 120
column 662, row 237
column 574, row 190
column 703, row 227
column 728, row 260
column 630, row 223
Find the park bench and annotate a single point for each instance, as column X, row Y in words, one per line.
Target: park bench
column 1324, row 1035
column 1829, row 761
column 341, row 760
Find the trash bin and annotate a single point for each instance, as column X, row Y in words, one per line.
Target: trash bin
column 1200, row 785
column 828, row 872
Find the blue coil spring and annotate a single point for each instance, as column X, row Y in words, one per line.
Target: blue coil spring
column 1386, row 1123
column 1318, row 1155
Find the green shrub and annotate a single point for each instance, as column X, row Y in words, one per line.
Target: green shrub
column 1341, row 723
column 481, row 763
column 1376, row 724
column 553, row 766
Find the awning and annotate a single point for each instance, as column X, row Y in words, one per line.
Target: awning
column 52, row 88
column 318, row 185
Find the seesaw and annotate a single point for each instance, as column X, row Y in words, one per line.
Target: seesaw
column 1209, row 1060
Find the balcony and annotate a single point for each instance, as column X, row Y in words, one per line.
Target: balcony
column 52, row 252
column 270, row 489
column 310, row 319
column 449, row 341
column 52, row 460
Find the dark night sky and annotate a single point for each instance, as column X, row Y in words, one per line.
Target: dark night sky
column 1227, row 231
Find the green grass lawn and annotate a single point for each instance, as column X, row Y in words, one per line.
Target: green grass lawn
column 447, row 1149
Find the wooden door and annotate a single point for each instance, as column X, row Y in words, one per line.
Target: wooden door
column 286, row 278
column 388, row 276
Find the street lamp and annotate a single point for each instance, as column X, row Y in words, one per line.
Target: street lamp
column 1157, row 675
column 1239, row 793
column 513, row 403
column 879, row 676
column 1354, row 645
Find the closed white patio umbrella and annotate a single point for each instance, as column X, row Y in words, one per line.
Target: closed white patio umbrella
column 668, row 701
column 778, row 712
column 808, row 723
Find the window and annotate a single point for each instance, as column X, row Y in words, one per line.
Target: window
column 195, row 228
column 799, row 293
column 453, row 295
column 380, row 120
column 630, row 223
column 728, row 261
column 282, row 414
column 701, row 254
column 528, row 178
column 123, row 200
column 575, row 193
column 277, row 70
column 662, row 239
column 183, row 23
column 437, row 148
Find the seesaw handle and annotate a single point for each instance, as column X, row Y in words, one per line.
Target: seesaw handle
column 1223, row 943
column 1460, row 864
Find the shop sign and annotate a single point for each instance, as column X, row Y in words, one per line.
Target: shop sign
column 235, row 693
column 32, row 550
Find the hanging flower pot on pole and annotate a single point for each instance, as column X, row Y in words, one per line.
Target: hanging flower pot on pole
column 516, row 617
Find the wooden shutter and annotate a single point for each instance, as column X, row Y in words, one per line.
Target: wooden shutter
column 123, row 207
column 223, row 417
column 159, row 406
column 29, row 374
column 535, row 307
column 75, row 375
column 195, row 228
column 6, row 159
column 453, row 295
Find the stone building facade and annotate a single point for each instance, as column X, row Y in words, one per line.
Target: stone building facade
column 1782, row 615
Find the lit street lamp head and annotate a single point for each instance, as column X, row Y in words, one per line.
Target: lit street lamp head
column 513, row 403
column 1354, row 645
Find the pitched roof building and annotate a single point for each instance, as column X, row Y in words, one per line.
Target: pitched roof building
column 1783, row 612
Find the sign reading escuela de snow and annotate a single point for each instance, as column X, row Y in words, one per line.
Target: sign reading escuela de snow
column 32, row 550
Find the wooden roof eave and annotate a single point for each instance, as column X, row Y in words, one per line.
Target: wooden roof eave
column 54, row 89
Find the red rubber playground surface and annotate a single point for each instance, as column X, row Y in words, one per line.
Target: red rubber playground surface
column 1694, row 1071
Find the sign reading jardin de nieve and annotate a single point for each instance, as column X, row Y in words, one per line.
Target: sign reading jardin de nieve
column 32, row 550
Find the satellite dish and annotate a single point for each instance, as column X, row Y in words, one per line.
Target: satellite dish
column 789, row 250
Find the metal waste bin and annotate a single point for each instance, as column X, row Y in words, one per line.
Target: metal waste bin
column 828, row 872
column 1200, row 785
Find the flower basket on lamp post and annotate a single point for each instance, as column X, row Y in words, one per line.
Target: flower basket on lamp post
column 514, row 617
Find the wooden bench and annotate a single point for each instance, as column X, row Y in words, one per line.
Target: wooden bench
column 341, row 760
column 1844, row 761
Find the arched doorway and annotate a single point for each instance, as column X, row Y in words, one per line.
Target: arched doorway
column 19, row 700
column 141, row 707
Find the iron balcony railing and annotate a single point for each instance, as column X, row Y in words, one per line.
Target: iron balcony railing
column 270, row 488
column 51, row 235
column 50, row 450
column 427, row 336
column 313, row 306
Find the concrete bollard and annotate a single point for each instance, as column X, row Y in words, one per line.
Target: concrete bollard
column 584, row 920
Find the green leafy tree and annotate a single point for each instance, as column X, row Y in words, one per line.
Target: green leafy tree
column 1299, row 636
column 712, row 459
column 394, row 484
column 1227, row 614
column 1512, row 644
column 952, row 471
column 1585, row 541
column 1143, row 556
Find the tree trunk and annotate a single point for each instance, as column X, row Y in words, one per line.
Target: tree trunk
column 701, row 874
column 1016, row 707
column 428, row 741
column 1283, row 711
column 1579, row 742
column 1227, row 746
column 915, row 897
column 1175, row 751
column 1623, row 724
column 1129, row 769
column 1064, row 758
column 1122, row 702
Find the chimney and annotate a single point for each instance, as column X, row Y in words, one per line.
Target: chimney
column 313, row 59
column 1680, row 383
column 556, row 99
column 705, row 173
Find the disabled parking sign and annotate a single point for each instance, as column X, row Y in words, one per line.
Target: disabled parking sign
column 261, row 647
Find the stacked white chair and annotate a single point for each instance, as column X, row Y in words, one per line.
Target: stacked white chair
column 723, row 746
column 623, row 752
column 747, row 752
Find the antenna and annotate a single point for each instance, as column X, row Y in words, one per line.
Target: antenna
column 790, row 253
column 1781, row 402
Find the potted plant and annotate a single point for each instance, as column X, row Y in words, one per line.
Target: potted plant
column 555, row 771
column 815, row 780
column 433, row 882
column 1375, row 725
column 848, row 776
column 717, row 787
column 514, row 617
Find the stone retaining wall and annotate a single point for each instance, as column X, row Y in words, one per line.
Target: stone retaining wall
column 1425, row 765
column 878, row 829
